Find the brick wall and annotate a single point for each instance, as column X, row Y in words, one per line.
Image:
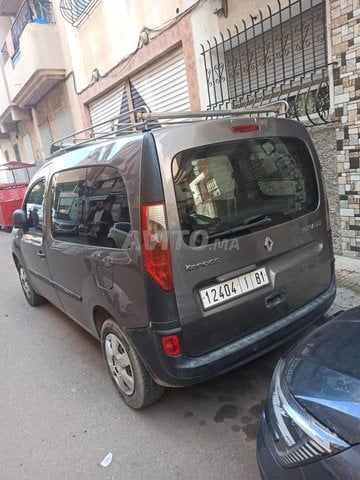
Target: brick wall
column 345, row 32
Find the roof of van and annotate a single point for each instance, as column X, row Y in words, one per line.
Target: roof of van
column 141, row 119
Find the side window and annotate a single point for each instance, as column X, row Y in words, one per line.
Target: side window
column 89, row 206
column 108, row 220
column 34, row 206
column 68, row 205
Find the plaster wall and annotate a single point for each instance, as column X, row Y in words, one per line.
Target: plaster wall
column 111, row 33
column 207, row 26
column 5, row 25
column 4, row 94
column 35, row 55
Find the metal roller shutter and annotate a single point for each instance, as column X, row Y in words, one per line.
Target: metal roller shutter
column 108, row 106
column 162, row 86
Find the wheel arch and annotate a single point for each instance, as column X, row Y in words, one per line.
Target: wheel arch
column 100, row 314
column 16, row 260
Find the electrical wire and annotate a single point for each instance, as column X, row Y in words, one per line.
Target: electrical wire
column 124, row 61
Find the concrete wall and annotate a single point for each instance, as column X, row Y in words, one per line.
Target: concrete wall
column 111, row 33
column 207, row 25
column 5, row 24
column 4, row 93
column 35, row 55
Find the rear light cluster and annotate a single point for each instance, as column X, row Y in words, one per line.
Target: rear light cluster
column 155, row 245
column 156, row 257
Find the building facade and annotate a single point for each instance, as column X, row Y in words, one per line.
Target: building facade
column 67, row 64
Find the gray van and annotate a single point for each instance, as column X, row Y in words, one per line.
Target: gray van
column 228, row 253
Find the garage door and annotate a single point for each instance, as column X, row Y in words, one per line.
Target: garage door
column 161, row 87
column 108, row 106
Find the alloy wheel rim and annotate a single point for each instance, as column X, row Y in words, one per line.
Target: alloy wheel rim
column 119, row 364
column 24, row 282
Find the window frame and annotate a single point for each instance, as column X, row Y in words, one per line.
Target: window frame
column 36, row 228
column 197, row 208
column 86, row 199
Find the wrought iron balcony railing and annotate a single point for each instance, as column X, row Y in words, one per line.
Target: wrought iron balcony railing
column 280, row 55
column 31, row 11
column 75, row 11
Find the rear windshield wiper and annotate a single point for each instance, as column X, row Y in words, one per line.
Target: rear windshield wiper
column 254, row 222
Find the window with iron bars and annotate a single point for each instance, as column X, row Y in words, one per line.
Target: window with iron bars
column 280, row 55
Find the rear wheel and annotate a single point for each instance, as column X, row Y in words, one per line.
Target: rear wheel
column 128, row 373
column 31, row 296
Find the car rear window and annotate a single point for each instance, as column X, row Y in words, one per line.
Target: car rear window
column 234, row 187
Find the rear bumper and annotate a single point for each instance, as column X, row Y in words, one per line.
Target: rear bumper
column 184, row 370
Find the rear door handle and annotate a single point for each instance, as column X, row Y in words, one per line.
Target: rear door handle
column 41, row 254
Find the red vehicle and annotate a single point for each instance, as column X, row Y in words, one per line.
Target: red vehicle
column 14, row 179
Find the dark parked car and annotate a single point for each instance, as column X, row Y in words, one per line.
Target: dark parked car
column 229, row 251
column 310, row 429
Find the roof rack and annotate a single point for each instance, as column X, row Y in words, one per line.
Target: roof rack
column 143, row 120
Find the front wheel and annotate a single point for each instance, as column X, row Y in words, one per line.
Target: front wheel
column 33, row 298
column 128, row 373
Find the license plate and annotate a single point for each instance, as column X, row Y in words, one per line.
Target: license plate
column 235, row 287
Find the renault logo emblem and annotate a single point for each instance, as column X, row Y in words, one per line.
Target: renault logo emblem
column 269, row 243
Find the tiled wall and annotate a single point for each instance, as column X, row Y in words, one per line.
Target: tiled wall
column 345, row 30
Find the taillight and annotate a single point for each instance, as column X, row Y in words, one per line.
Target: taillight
column 245, row 128
column 155, row 245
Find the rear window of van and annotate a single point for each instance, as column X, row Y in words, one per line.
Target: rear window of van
column 231, row 188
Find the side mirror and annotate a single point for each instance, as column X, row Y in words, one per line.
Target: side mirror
column 19, row 219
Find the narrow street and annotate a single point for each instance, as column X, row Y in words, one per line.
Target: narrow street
column 60, row 415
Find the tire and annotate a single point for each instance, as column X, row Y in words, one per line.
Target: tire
column 128, row 373
column 33, row 298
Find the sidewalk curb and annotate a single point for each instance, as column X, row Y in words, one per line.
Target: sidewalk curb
column 348, row 273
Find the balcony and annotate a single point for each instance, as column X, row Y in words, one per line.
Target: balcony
column 4, row 108
column 76, row 11
column 32, row 54
column 9, row 114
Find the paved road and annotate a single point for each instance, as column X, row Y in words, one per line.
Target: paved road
column 60, row 415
